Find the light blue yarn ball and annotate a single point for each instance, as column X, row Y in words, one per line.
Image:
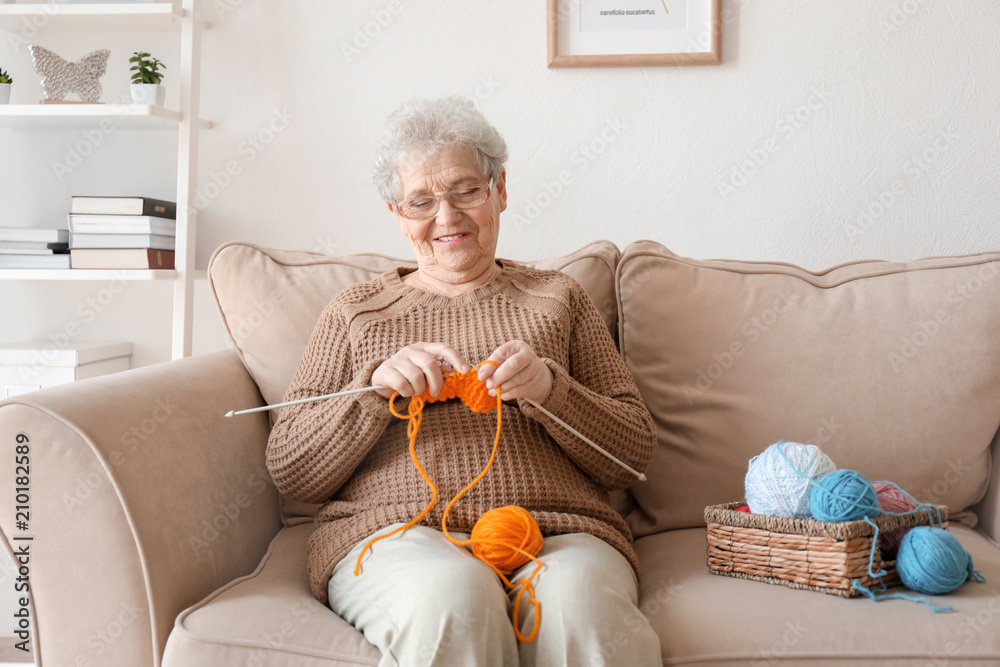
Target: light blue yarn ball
column 844, row 495
column 779, row 484
column 932, row 561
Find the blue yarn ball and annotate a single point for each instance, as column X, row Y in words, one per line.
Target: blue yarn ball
column 778, row 479
column 932, row 561
column 843, row 495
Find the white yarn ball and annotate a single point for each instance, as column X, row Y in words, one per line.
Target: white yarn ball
column 773, row 487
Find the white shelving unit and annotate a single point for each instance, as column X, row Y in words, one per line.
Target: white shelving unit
column 83, row 116
column 107, row 17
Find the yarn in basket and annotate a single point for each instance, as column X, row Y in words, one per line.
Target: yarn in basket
column 843, row 495
column 893, row 500
column 778, row 480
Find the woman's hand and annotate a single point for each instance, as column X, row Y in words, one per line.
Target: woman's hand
column 520, row 373
column 417, row 367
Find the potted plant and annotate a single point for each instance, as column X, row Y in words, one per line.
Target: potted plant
column 146, row 77
column 5, row 82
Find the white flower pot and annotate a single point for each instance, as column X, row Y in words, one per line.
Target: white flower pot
column 4, row 93
column 148, row 93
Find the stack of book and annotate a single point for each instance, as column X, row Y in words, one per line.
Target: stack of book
column 122, row 233
column 22, row 248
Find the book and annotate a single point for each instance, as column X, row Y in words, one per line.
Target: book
column 121, row 224
column 155, row 241
column 121, row 258
column 33, row 245
column 31, row 235
column 123, row 206
column 60, row 261
column 29, row 251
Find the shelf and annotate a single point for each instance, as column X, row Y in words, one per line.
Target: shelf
column 97, row 16
column 82, row 116
column 91, row 274
column 183, row 17
column 95, row 274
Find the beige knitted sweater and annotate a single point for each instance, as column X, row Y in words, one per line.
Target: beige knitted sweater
column 352, row 454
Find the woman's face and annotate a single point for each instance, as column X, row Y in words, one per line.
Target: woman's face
column 453, row 246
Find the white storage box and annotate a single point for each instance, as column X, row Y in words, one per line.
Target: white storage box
column 32, row 365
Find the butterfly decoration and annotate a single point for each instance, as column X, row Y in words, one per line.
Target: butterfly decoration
column 60, row 77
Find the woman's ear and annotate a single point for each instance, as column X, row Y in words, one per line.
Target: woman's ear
column 502, row 190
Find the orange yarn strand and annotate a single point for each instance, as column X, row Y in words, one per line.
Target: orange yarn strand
column 416, row 415
column 504, row 538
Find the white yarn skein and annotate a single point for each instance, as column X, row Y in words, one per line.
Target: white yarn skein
column 773, row 487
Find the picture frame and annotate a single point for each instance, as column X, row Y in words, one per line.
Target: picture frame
column 633, row 33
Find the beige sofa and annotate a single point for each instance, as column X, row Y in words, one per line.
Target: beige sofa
column 159, row 538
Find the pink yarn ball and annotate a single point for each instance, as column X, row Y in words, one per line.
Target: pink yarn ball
column 891, row 499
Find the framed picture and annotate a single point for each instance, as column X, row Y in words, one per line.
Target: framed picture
column 631, row 33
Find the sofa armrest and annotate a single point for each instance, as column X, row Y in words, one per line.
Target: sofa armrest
column 143, row 498
column 988, row 509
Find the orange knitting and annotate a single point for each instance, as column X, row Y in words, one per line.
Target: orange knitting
column 504, row 538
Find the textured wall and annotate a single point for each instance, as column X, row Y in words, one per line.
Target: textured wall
column 832, row 132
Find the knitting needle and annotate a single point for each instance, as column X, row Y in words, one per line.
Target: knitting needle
column 639, row 475
column 349, row 392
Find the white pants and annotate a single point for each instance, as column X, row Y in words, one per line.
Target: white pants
column 424, row 601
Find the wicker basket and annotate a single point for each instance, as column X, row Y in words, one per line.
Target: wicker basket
column 801, row 553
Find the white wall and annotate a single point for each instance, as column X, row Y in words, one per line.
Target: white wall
column 903, row 125
column 889, row 108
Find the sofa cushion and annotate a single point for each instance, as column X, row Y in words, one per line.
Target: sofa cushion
column 893, row 369
column 270, row 300
column 706, row 619
column 268, row 617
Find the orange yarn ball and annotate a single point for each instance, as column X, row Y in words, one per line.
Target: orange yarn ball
column 506, row 538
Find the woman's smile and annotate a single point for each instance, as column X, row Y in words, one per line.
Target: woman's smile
column 451, row 239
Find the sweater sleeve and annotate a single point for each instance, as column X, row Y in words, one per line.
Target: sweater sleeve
column 315, row 447
column 598, row 397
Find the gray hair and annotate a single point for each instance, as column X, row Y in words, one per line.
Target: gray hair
column 420, row 128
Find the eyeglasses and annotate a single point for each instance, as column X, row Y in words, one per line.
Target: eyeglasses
column 465, row 197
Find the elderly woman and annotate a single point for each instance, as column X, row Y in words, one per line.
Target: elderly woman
column 420, row 599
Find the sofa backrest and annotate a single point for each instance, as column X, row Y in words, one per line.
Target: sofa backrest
column 893, row 369
column 271, row 299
